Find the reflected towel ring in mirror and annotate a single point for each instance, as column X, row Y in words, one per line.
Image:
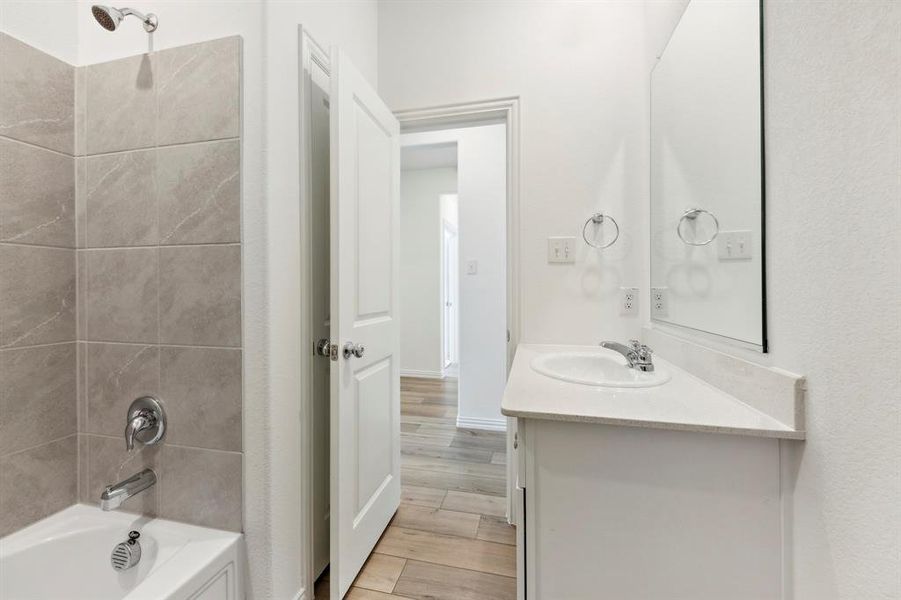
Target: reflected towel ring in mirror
column 692, row 215
column 598, row 219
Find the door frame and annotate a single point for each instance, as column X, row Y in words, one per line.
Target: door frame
column 447, row 226
column 498, row 110
column 310, row 52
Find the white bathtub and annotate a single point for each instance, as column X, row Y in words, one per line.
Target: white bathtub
column 67, row 557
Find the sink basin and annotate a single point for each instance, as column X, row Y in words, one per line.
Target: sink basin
column 600, row 368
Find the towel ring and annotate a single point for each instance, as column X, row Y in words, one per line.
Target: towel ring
column 691, row 215
column 598, row 219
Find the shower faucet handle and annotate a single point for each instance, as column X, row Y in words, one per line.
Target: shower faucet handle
column 145, row 422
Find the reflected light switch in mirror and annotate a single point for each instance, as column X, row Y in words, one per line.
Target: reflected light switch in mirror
column 733, row 245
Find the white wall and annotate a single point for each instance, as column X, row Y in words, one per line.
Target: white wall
column 578, row 68
column 482, row 225
column 352, row 25
column 48, row 25
column 270, row 215
column 833, row 92
column 420, row 268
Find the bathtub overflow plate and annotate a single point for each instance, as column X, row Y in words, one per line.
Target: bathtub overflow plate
column 127, row 554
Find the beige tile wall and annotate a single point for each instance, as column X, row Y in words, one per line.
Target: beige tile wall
column 120, row 276
column 159, row 275
column 38, row 422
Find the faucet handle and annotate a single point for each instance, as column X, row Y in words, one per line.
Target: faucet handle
column 146, row 422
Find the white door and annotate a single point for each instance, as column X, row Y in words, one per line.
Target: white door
column 365, row 389
column 449, row 266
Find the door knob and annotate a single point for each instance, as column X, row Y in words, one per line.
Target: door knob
column 351, row 349
column 327, row 349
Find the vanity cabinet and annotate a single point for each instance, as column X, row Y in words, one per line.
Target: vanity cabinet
column 623, row 512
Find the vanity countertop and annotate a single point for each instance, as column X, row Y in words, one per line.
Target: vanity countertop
column 684, row 403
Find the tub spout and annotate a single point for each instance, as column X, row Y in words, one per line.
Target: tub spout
column 114, row 495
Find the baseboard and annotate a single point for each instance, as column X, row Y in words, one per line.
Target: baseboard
column 487, row 424
column 423, row 374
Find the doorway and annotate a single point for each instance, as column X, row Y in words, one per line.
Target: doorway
column 349, row 231
column 449, row 280
column 454, row 264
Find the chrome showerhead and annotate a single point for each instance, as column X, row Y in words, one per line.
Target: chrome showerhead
column 110, row 17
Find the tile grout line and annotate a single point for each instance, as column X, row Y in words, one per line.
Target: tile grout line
column 161, row 345
column 42, row 246
column 156, row 245
column 156, row 146
column 164, row 444
column 36, row 446
column 37, row 346
column 39, row 147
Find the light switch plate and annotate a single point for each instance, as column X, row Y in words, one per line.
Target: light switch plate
column 733, row 245
column 628, row 301
column 561, row 249
column 472, row 267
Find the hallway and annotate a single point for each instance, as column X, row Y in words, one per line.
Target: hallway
column 449, row 539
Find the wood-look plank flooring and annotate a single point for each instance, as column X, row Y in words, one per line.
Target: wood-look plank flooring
column 449, row 540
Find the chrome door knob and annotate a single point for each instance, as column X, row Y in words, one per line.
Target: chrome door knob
column 351, row 349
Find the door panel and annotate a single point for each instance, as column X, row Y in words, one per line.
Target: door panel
column 365, row 394
column 373, row 398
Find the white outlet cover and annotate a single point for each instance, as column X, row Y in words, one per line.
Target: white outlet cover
column 628, row 301
column 659, row 302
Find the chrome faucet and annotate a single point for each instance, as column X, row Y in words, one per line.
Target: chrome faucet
column 114, row 495
column 637, row 354
column 146, row 422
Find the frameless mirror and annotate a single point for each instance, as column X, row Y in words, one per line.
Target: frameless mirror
column 707, row 192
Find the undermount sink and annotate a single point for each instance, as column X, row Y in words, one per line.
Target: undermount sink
column 599, row 368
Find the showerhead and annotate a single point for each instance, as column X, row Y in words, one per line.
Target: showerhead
column 110, row 17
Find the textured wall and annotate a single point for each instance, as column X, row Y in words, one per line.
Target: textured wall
column 37, row 285
column 159, row 275
column 833, row 92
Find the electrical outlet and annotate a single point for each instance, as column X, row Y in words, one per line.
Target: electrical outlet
column 659, row 302
column 628, row 301
column 733, row 245
column 561, row 249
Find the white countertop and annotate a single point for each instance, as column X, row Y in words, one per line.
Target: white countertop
column 684, row 403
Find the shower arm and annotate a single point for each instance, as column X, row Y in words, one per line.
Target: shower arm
column 149, row 20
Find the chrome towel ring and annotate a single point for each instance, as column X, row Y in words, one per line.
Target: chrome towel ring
column 692, row 215
column 598, row 219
